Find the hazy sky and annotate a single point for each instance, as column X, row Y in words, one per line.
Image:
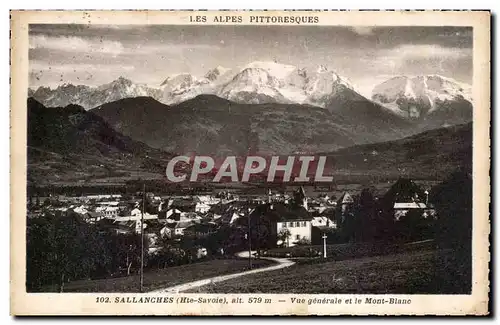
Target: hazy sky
column 97, row 54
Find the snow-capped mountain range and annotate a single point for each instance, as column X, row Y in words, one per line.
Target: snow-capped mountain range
column 89, row 97
column 420, row 96
column 413, row 98
column 256, row 83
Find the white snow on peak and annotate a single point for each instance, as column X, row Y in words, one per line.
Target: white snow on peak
column 215, row 73
column 254, row 80
column 90, row 97
column 409, row 93
column 321, row 68
column 275, row 69
column 259, row 82
column 405, row 94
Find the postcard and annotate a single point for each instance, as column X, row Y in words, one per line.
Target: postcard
column 250, row 162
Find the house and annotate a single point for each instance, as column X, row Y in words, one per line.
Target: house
column 167, row 231
column 405, row 196
column 181, row 226
column 300, row 197
column 138, row 227
column 201, row 229
column 175, row 229
column 119, row 227
column 345, row 201
column 81, row 209
column 92, row 217
column 201, row 207
column 109, row 203
column 104, row 196
column 208, row 199
column 345, row 205
column 323, row 221
column 182, row 204
column 146, row 216
column 175, row 215
column 235, row 216
column 297, row 220
column 172, row 213
column 317, row 206
column 402, row 208
column 136, row 212
column 190, row 216
column 300, row 229
column 108, row 211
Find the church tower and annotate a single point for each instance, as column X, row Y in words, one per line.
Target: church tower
column 300, row 197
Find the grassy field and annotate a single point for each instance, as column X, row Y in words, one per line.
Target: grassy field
column 163, row 278
column 340, row 252
column 414, row 272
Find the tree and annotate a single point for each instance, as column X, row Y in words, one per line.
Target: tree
column 284, row 236
column 365, row 217
column 169, row 254
column 148, row 206
column 128, row 251
column 453, row 202
column 62, row 247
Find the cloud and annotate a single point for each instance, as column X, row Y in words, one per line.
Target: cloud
column 170, row 48
column 43, row 73
column 410, row 51
column 75, row 44
column 37, row 66
column 425, row 56
column 362, row 30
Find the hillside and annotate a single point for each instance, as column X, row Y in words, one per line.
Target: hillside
column 432, row 154
column 214, row 126
column 69, row 144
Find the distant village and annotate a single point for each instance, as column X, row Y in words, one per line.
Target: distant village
column 292, row 218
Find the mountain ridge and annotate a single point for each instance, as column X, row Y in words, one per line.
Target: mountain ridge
column 70, row 143
column 431, row 154
column 91, row 96
column 208, row 124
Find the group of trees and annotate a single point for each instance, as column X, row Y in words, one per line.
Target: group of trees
column 371, row 219
column 62, row 247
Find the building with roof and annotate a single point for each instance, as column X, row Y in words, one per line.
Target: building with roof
column 300, row 197
column 405, row 196
column 108, row 211
column 323, row 221
column 345, row 201
column 345, row 205
column 181, row 226
column 200, row 230
column 296, row 219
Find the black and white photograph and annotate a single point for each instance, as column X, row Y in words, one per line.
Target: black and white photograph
column 273, row 156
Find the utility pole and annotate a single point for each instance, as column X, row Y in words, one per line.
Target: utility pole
column 324, row 244
column 249, row 243
column 142, row 235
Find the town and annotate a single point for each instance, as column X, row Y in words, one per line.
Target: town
column 175, row 216
column 186, row 229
